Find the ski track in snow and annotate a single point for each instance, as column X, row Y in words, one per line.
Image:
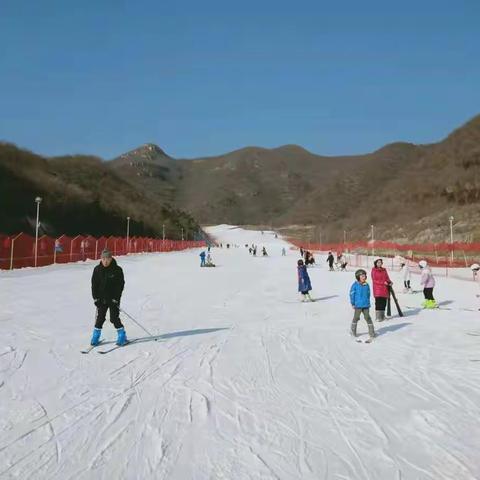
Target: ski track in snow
column 244, row 382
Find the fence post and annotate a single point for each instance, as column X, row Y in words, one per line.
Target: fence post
column 71, row 247
column 11, row 251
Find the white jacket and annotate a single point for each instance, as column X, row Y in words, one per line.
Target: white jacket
column 406, row 272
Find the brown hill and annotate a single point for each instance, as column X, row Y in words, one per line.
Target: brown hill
column 405, row 190
column 81, row 194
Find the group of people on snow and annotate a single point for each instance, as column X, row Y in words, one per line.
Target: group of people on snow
column 360, row 290
column 108, row 282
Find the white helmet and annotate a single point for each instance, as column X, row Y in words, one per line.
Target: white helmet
column 475, row 267
column 422, row 263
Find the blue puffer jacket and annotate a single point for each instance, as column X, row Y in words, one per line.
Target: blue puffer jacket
column 304, row 284
column 360, row 295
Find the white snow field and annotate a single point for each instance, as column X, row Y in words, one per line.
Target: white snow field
column 244, row 382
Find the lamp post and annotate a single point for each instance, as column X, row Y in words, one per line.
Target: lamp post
column 128, row 233
column 38, row 200
column 373, row 241
column 451, row 237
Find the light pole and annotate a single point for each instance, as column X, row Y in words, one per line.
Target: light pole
column 182, row 234
column 38, row 200
column 128, row 232
column 373, row 241
column 451, row 236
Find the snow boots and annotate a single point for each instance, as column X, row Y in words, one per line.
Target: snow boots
column 380, row 315
column 353, row 329
column 429, row 304
column 121, row 336
column 371, row 330
column 306, row 297
column 96, row 336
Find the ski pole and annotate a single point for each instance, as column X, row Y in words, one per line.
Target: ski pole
column 133, row 320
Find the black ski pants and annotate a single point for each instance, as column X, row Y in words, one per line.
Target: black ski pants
column 114, row 316
column 380, row 304
column 428, row 293
column 406, row 283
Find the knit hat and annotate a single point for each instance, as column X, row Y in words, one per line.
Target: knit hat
column 106, row 253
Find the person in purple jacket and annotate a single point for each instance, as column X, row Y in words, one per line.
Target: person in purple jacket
column 304, row 284
column 428, row 282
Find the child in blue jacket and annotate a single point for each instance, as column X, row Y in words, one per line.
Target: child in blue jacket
column 304, row 284
column 360, row 301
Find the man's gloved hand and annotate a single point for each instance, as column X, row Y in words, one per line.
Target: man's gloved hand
column 115, row 302
column 97, row 302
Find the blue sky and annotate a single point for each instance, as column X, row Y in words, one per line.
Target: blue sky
column 204, row 78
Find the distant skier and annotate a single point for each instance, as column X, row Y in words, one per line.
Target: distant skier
column 209, row 261
column 428, row 282
column 341, row 262
column 301, row 252
column 475, row 269
column 360, row 301
column 381, row 281
column 254, row 251
column 284, row 252
column 406, row 277
column 202, row 258
column 107, row 288
column 304, row 284
column 330, row 260
column 264, row 252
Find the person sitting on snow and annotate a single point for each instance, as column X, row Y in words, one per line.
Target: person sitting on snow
column 209, row 261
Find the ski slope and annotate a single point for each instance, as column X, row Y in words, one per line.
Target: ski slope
column 243, row 382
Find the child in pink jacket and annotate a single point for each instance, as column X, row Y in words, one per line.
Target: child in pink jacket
column 428, row 282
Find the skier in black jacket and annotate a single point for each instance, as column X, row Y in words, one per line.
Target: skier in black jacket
column 330, row 260
column 107, row 288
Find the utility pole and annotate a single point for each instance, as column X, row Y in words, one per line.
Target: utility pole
column 451, row 236
column 38, row 200
column 373, row 241
column 128, row 233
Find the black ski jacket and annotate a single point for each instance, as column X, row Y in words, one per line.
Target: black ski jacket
column 107, row 282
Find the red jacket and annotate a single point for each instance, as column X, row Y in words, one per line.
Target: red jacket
column 380, row 280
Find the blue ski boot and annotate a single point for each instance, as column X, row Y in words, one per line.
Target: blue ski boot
column 96, row 336
column 121, row 336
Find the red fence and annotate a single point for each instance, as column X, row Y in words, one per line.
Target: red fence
column 19, row 250
column 457, row 254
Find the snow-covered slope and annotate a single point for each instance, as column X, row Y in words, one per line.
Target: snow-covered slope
column 244, row 382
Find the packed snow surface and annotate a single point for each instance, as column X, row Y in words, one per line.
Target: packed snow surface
column 244, row 380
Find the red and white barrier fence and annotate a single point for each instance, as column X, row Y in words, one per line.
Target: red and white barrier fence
column 19, row 251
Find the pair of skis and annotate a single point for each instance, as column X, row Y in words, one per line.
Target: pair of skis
column 111, row 349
